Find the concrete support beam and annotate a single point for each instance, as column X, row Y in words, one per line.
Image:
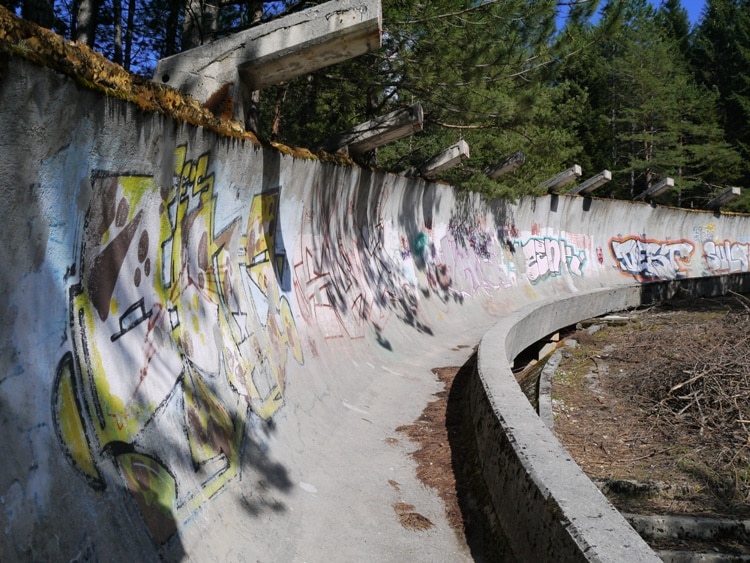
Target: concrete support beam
column 449, row 158
column 730, row 195
column 272, row 52
column 657, row 189
column 563, row 178
column 377, row 132
column 585, row 188
column 506, row 165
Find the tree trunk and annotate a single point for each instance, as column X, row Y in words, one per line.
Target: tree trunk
column 88, row 12
column 129, row 34
column 117, row 39
column 39, row 12
column 276, row 125
column 201, row 19
column 170, row 38
column 252, row 113
column 191, row 24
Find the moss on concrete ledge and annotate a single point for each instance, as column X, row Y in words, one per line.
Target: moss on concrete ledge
column 92, row 71
column 21, row 38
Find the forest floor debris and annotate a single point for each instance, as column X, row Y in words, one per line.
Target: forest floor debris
column 657, row 410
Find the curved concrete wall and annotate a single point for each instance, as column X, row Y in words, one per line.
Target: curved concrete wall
column 187, row 317
column 551, row 509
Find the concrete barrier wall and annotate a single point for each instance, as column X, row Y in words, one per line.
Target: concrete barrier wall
column 551, row 510
column 167, row 293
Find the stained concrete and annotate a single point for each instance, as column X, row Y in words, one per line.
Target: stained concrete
column 275, row 51
column 208, row 346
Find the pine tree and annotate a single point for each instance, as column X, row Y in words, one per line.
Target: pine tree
column 721, row 59
column 483, row 72
column 673, row 18
column 647, row 117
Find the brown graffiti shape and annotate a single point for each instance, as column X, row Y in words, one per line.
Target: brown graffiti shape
column 105, row 270
column 100, row 222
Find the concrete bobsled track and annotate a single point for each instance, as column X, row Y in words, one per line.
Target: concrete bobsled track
column 207, row 346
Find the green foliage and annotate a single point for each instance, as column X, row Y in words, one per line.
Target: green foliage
column 483, row 72
column 721, row 59
column 648, row 116
column 634, row 90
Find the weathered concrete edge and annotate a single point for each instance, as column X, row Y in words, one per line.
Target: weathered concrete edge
column 551, row 508
column 277, row 50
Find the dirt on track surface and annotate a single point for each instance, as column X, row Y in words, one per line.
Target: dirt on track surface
column 654, row 406
column 447, row 462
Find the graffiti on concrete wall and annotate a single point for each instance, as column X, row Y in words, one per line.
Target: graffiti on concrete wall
column 722, row 256
column 180, row 328
column 648, row 259
column 436, row 272
column 354, row 273
column 344, row 291
column 726, row 257
column 548, row 257
column 348, row 280
column 472, row 250
column 477, row 248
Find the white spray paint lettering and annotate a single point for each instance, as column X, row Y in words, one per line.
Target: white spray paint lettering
column 652, row 259
column 549, row 257
column 727, row 257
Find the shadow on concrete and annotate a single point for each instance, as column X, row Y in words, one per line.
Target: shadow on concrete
column 200, row 433
column 710, row 286
column 481, row 527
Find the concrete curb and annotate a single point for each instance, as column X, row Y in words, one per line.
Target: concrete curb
column 672, row 556
column 688, row 527
column 545, row 388
column 548, row 507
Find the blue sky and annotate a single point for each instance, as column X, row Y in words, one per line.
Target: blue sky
column 693, row 7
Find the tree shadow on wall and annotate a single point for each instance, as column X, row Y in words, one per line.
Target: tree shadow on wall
column 364, row 280
column 177, row 403
column 468, row 211
column 193, row 448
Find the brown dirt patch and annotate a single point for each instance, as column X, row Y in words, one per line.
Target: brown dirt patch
column 447, row 462
column 430, row 432
column 411, row 520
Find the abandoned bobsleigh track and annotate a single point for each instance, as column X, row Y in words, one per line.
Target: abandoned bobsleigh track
column 207, row 345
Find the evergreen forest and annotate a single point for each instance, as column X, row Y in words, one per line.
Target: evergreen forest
column 629, row 86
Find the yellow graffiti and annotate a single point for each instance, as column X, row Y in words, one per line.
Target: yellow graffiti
column 172, row 313
column 155, row 491
column 211, row 431
column 258, row 371
column 71, row 428
column 260, row 240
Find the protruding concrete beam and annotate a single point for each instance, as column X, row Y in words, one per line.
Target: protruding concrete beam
column 657, row 189
column 377, row 132
column 450, row 157
column 585, row 188
column 279, row 50
column 563, row 178
column 506, row 165
column 730, row 195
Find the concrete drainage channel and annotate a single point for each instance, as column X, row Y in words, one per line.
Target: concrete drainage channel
column 701, row 532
